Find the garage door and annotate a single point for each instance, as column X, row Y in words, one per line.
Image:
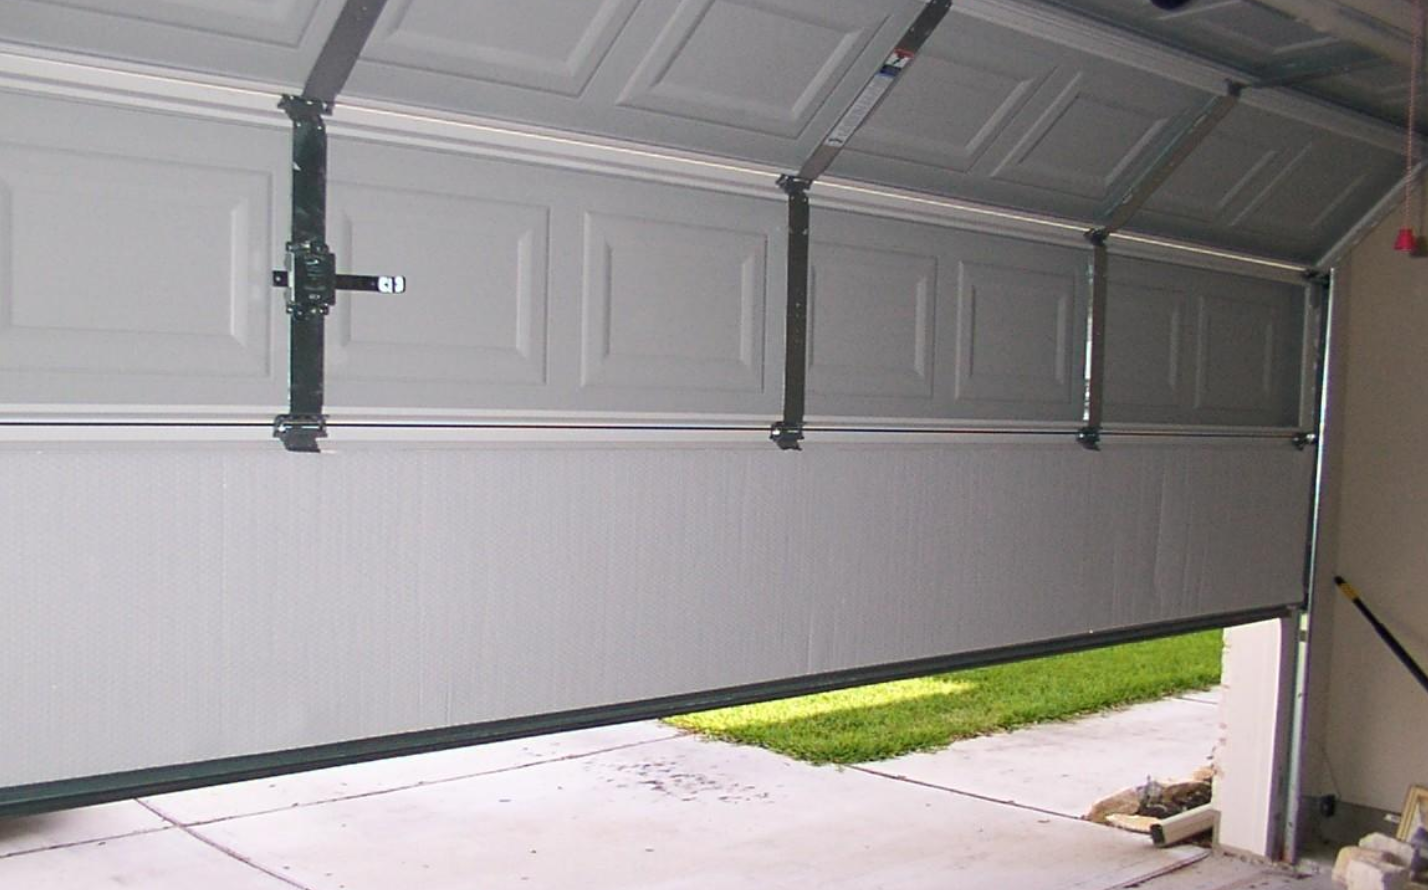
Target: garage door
column 548, row 498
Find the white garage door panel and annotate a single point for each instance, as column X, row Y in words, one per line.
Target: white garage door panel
column 909, row 320
column 135, row 264
column 530, row 288
column 918, row 321
column 204, row 617
column 1197, row 347
column 270, row 41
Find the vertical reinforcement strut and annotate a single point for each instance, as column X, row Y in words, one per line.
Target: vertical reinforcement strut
column 1120, row 211
column 311, row 273
column 311, row 278
column 1094, row 395
column 788, row 432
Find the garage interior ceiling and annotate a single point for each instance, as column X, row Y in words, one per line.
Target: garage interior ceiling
column 1048, row 109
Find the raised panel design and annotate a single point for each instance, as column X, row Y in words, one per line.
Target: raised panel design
column 270, row 41
column 1084, row 141
column 551, row 45
column 1216, row 177
column 120, row 265
column 672, row 305
column 871, row 322
column 952, row 105
column 1145, row 355
column 1307, row 192
column 761, row 65
column 1014, row 334
column 475, row 308
column 1237, row 361
column 271, row 21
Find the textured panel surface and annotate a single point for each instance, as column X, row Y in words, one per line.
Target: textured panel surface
column 551, row 45
column 672, row 305
column 756, row 64
column 1190, row 346
column 134, row 270
column 916, row 321
column 475, row 310
column 956, row 101
column 267, row 40
column 871, row 322
column 1146, row 331
column 1262, row 180
column 1014, row 120
column 758, row 79
column 204, row 617
column 1085, row 140
column 1016, row 334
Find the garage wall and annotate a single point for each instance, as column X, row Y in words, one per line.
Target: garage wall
column 1373, row 715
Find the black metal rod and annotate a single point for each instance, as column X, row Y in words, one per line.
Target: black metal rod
column 1383, row 632
column 339, row 54
column 788, row 432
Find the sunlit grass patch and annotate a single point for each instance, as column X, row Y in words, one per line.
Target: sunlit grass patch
column 889, row 719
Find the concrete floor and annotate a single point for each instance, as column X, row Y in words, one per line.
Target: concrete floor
column 642, row 806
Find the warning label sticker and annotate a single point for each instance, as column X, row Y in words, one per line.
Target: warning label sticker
column 868, row 99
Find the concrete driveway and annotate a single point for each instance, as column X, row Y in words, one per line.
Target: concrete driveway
column 644, row 806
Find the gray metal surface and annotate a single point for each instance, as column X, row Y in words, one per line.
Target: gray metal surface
column 1007, row 112
column 1015, row 119
column 534, row 289
column 1190, row 346
column 169, row 606
column 1264, row 42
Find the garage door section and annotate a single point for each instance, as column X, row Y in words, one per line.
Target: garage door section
column 548, row 498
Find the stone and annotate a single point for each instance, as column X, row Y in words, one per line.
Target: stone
column 1348, row 855
column 1372, row 874
column 1399, row 851
column 1125, row 802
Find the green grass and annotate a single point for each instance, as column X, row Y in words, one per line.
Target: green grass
column 890, row 719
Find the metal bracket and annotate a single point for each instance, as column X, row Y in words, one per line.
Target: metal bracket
column 300, row 432
column 788, row 432
column 1305, row 439
column 310, row 280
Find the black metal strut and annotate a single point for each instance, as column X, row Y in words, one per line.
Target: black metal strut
column 310, row 279
column 1117, row 214
column 788, row 432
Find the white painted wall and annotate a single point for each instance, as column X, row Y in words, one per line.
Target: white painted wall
column 1373, row 719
